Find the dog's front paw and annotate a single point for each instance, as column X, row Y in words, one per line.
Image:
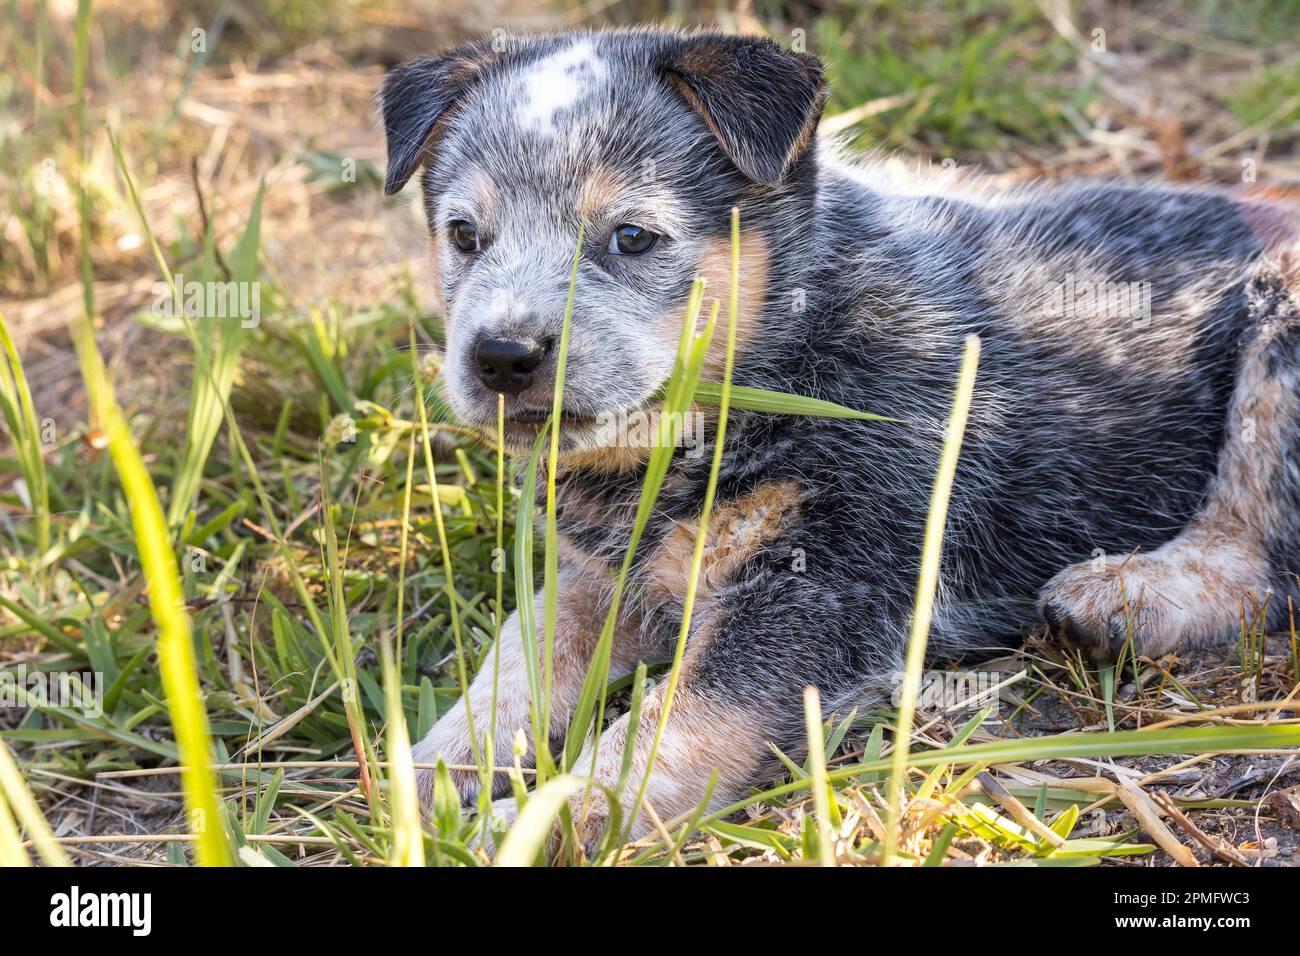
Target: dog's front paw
column 588, row 813
column 504, row 811
column 502, row 814
column 1100, row 606
column 589, row 810
column 450, row 741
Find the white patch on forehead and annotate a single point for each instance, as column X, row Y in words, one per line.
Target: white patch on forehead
column 499, row 303
column 556, row 83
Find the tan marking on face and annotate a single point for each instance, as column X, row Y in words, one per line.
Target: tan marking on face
column 627, row 446
column 715, row 269
column 738, row 530
column 486, row 197
column 608, row 460
column 600, row 190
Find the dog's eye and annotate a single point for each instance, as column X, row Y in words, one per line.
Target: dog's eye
column 465, row 235
column 630, row 240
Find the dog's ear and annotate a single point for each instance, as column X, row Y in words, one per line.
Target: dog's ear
column 761, row 101
column 418, row 98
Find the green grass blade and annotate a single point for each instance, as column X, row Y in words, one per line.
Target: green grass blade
column 499, row 566
column 38, row 626
column 445, row 551
column 812, row 712
column 780, row 403
column 333, row 563
column 633, row 725
column 551, row 554
column 175, row 644
column 408, row 836
column 939, row 849
column 1106, row 674
column 1121, row 743
column 530, row 832
column 706, row 511
column 12, row 852
column 926, row 585
column 17, row 801
column 403, row 548
column 158, row 561
column 525, row 597
column 24, row 431
column 95, row 386
column 690, row 358
column 211, row 389
column 215, row 368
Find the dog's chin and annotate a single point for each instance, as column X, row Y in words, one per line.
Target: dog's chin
column 579, row 432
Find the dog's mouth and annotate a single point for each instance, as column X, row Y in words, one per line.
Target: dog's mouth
column 539, row 416
column 535, row 418
column 580, row 430
column 522, row 425
column 584, row 425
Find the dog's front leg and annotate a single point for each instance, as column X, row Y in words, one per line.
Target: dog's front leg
column 741, row 685
column 581, row 612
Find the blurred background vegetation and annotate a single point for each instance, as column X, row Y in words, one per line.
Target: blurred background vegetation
column 283, row 89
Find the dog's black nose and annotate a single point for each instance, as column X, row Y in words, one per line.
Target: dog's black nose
column 508, row 365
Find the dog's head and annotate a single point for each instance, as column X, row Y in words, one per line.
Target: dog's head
column 646, row 137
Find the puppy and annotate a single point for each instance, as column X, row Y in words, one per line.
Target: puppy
column 1131, row 468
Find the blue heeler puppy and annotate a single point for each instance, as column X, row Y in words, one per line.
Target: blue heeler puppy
column 1132, row 463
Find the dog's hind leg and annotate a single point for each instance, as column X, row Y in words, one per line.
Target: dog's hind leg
column 1243, row 548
